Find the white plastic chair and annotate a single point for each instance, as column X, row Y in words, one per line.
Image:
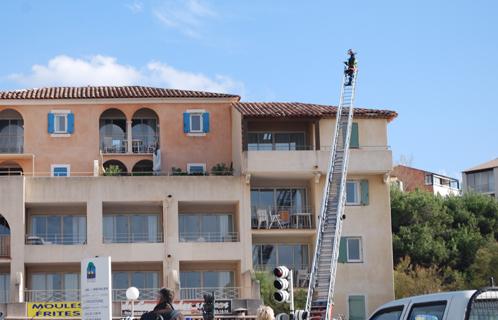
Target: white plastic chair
column 262, row 216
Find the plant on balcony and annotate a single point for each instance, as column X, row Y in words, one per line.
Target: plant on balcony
column 177, row 172
column 222, row 169
column 112, row 170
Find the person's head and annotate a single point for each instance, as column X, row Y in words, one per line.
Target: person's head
column 350, row 51
column 265, row 313
column 166, row 295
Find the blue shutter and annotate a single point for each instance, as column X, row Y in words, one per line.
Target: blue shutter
column 70, row 123
column 186, row 122
column 205, row 122
column 51, row 123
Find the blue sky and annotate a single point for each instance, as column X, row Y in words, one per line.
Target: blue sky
column 434, row 62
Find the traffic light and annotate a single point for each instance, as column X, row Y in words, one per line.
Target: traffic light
column 300, row 315
column 283, row 284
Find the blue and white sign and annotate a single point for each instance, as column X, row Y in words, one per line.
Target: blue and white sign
column 96, row 301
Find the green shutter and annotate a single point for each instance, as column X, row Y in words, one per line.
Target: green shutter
column 356, row 308
column 355, row 140
column 364, row 192
column 343, row 254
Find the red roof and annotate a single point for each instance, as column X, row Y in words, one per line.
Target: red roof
column 107, row 92
column 299, row 110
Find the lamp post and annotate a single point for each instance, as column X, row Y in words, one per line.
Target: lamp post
column 132, row 294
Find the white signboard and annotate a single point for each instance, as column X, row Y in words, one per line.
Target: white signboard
column 96, row 303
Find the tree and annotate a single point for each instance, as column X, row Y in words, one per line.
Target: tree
column 485, row 265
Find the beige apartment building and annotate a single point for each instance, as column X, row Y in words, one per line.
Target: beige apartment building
column 185, row 189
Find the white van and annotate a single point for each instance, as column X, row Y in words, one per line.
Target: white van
column 458, row 305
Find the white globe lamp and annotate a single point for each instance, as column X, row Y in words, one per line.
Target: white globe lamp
column 132, row 294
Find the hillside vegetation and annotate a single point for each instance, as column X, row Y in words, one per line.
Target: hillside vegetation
column 443, row 243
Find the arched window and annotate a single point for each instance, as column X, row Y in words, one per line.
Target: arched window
column 142, row 168
column 113, row 131
column 115, row 168
column 145, row 131
column 11, row 132
column 10, row 169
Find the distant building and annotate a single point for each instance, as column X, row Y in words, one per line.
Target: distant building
column 410, row 179
column 482, row 178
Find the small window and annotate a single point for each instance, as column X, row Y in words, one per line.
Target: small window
column 196, row 168
column 433, row 311
column 428, row 179
column 393, row 313
column 61, row 170
column 196, row 122
column 354, row 250
column 60, row 124
column 353, row 192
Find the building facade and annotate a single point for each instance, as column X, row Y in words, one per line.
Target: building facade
column 185, row 189
column 482, row 178
column 411, row 179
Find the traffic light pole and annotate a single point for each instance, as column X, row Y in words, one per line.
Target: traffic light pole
column 291, row 293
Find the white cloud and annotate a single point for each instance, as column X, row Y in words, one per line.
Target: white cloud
column 187, row 16
column 103, row 70
column 135, row 7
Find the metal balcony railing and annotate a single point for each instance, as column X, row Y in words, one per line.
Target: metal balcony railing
column 51, row 295
column 282, row 217
column 145, row 294
column 209, row 237
column 219, row 293
column 55, row 238
column 133, row 237
column 4, row 246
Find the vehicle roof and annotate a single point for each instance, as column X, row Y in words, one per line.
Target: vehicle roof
column 430, row 297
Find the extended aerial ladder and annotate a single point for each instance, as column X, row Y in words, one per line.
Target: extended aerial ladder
column 323, row 272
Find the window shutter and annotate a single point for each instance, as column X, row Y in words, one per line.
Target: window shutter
column 364, row 192
column 356, row 307
column 343, row 254
column 355, row 141
column 70, row 123
column 205, row 122
column 186, row 122
column 51, row 122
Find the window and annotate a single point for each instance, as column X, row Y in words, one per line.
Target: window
column 132, row 228
column 196, row 168
column 357, row 192
column 60, row 122
column 393, row 313
column 220, row 282
column 61, row 170
column 57, row 229
column 428, row 179
column 267, row 141
column 293, row 199
column 268, row 256
column 357, row 307
column 4, row 287
column 433, row 310
column 206, row 227
column 196, row 122
column 138, row 279
column 353, row 192
column 63, row 286
column 481, row 181
column 350, row 250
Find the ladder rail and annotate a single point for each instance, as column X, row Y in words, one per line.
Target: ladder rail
column 323, row 206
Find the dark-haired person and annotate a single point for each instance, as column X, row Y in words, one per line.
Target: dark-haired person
column 164, row 308
column 350, row 66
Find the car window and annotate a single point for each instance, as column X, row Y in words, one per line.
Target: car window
column 393, row 313
column 428, row 311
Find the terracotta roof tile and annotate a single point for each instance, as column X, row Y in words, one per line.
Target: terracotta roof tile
column 107, row 92
column 299, row 110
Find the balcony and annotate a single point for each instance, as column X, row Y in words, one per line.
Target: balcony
column 74, row 295
column 299, row 163
column 134, row 238
column 282, row 217
column 209, row 237
column 4, row 246
column 55, row 238
column 219, row 293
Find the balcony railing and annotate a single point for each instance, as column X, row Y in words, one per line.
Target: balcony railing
column 144, row 144
column 282, row 217
column 74, row 295
column 11, row 148
column 209, row 236
column 4, row 246
column 219, row 293
column 133, row 237
column 278, row 147
column 51, row 295
column 55, row 238
column 114, row 145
